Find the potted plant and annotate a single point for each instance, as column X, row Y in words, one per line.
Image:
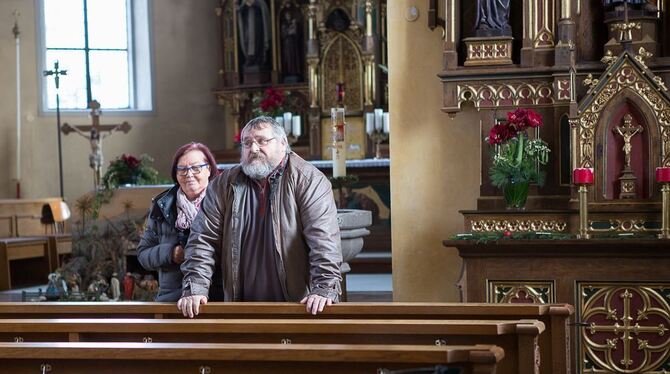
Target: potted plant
column 131, row 170
column 517, row 159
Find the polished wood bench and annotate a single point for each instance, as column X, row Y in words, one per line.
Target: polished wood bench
column 554, row 342
column 518, row 338
column 24, row 261
column 130, row 358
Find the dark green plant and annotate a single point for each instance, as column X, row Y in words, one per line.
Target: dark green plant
column 128, row 169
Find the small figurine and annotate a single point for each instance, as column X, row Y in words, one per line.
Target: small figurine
column 115, row 287
column 128, row 285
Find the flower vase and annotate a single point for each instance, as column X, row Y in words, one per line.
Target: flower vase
column 515, row 194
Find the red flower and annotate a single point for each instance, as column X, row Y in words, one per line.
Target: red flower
column 501, row 133
column 534, row 119
column 131, row 161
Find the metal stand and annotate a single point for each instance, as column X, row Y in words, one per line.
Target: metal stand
column 583, row 212
column 665, row 212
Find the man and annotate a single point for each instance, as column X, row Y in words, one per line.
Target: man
column 270, row 225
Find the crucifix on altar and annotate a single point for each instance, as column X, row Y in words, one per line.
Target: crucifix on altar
column 627, row 179
column 95, row 133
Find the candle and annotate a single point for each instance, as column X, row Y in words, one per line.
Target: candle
column 385, row 121
column 378, row 119
column 582, row 176
column 369, row 123
column 296, row 126
column 287, row 122
column 663, row 174
column 18, row 100
column 280, row 121
column 339, row 144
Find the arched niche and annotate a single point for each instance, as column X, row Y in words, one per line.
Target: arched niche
column 342, row 63
column 609, row 153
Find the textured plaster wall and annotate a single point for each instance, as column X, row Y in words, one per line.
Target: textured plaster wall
column 186, row 55
column 435, row 162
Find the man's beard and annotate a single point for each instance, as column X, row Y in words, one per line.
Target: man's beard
column 256, row 167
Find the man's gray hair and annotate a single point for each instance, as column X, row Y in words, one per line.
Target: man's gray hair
column 262, row 122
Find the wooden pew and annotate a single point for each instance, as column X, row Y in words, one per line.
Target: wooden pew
column 517, row 338
column 31, row 261
column 130, row 358
column 554, row 342
column 60, row 245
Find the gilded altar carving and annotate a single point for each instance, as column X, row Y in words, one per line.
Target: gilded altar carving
column 488, row 51
column 626, row 327
column 342, row 62
column 494, row 95
column 492, row 225
column 516, row 292
column 623, row 226
column 626, row 73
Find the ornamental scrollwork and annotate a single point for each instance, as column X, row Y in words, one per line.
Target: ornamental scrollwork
column 492, row 225
column 494, row 95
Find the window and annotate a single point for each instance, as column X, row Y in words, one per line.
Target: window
column 103, row 46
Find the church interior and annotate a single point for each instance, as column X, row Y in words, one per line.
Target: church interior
column 523, row 146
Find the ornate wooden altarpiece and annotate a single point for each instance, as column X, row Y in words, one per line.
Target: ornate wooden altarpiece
column 597, row 72
column 309, row 47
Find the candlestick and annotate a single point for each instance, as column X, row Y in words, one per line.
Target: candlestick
column 583, row 177
column 339, row 142
column 663, row 177
column 16, row 32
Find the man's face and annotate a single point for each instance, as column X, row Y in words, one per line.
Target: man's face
column 261, row 152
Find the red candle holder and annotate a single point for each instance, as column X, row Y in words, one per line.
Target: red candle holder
column 583, row 176
column 663, row 174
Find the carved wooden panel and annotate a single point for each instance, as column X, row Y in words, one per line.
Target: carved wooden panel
column 520, row 292
column 625, row 327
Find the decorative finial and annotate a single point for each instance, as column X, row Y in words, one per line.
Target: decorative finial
column 590, row 81
column 608, row 58
column 642, row 55
column 659, row 82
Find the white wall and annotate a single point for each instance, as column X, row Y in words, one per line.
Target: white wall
column 186, row 51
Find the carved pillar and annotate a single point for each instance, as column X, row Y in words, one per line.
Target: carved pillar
column 369, row 60
column 565, row 49
column 538, row 32
column 452, row 34
column 314, row 111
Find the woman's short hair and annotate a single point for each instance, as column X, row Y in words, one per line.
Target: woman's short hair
column 193, row 146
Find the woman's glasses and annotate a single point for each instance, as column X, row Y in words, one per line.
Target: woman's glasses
column 182, row 171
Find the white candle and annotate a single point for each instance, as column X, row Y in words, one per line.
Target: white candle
column 385, row 121
column 378, row 119
column 280, row 121
column 296, row 126
column 287, row 122
column 339, row 143
column 369, row 123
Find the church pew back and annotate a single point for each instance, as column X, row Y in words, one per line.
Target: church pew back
column 240, row 358
column 554, row 342
column 518, row 338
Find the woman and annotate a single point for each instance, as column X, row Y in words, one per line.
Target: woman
column 162, row 245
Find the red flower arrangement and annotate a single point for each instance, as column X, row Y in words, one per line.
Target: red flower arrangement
column 131, row 161
column 517, row 121
column 273, row 103
column 516, row 157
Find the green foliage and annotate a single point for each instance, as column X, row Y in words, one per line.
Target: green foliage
column 519, row 160
column 128, row 169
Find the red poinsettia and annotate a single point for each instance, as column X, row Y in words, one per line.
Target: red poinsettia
column 131, row 161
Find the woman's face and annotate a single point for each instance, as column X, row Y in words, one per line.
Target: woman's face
column 190, row 182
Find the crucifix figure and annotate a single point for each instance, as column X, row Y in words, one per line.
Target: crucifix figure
column 627, row 180
column 627, row 131
column 95, row 133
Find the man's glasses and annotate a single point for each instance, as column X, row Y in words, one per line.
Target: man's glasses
column 195, row 169
column 247, row 143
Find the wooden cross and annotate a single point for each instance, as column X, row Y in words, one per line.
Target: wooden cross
column 95, row 133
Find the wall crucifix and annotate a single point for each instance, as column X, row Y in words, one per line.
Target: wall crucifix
column 627, row 179
column 95, row 133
